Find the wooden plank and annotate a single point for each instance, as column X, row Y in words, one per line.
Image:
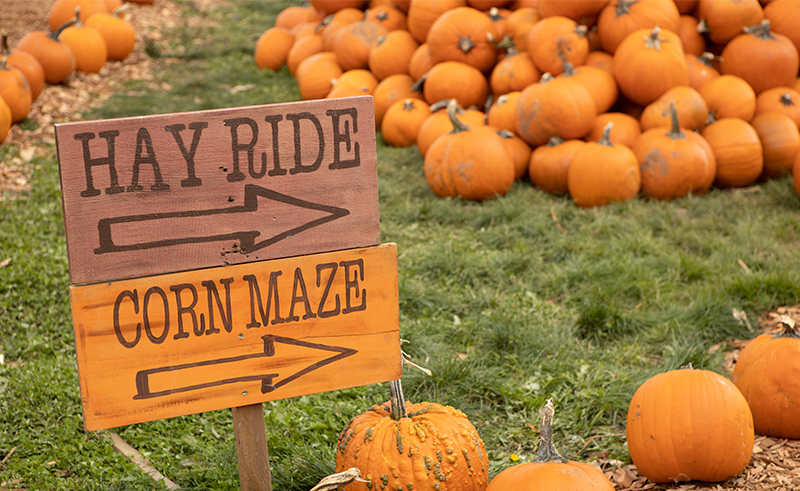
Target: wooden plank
column 137, row 458
column 175, row 192
column 252, row 454
column 164, row 346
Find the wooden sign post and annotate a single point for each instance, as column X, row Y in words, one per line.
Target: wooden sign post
column 225, row 258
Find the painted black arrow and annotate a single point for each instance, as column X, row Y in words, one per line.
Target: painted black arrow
column 267, row 385
column 247, row 238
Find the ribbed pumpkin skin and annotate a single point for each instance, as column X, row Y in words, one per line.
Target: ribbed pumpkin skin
column 601, row 174
column 438, row 124
column 55, row 57
column 768, row 375
column 689, row 425
column 740, row 157
column 780, row 141
column 547, row 167
column 119, row 35
column 550, row 476
column 434, row 448
column 561, row 107
column 15, row 91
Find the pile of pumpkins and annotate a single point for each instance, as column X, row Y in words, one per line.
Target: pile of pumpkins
column 84, row 34
column 602, row 99
column 682, row 425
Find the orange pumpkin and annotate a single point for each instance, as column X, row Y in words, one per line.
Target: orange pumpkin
column 796, row 174
column 517, row 150
column 601, row 60
column 599, row 83
column 547, row 167
column 518, row 23
column 456, row 80
column 87, row 45
column 768, row 375
column 550, row 470
column 620, row 18
column 422, row 15
column 502, row 113
column 420, row 62
column 555, row 40
column 27, row 64
column 55, row 57
column 353, row 43
column 469, row 162
column 784, row 17
column 328, row 7
column 331, row 26
column 391, row 54
column 5, row 120
column 554, row 107
column 691, row 107
column 301, row 49
column 784, row 100
column 626, row 128
column 728, row 96
column 761, row 58
column 296, row 14
column 14, row 90
column 780, row 141
column 119, row 34
column 62, row 11
column 673, row 162
column 362, row 79
column 315, row 74
column 513, row 73
column 602, row 173
column 391, row 89
column 647, row 63
column 693, row 42
column 387, row 16
column 577, row 10
column 272, row 48
column 722, row 20
column 737, row 148
column 700, row 70
column 463, row 34
column 402, row 121
column 438, row 124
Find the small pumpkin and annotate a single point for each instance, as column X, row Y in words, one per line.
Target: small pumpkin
column 601, row 60
column 332, row 24
column 729, row 96
column 272, row 48
column 673, row 162
column 700, row 70
column 602, row 173
column 626, row 128
column 723, row 20
column 27, row 64
column 690, row 105
column 353, row 43
column 577, row 10
column 693, row 42
column 548, row 165
column 420, row 62
column 554, row 41
column 14, row 90
column 518, row 23
column 554, row 107
column 784, row 17
column 768, row 375
column 87, row 45
column 119, row 34
column 316, row 73
column 513, row 73
column 502, row 112
column 296, row 14
column 301, row 49
column 784, row 100
column 780, row 140
column 62, row 11
column 600, row 84
column 456, row 80
column 391, row 89
column 5, row 120
column 647, row 63
column 397, row 445
column 464, row 34
column 328, row 7
column 737, row 148
column 402, row 121
column 687, row 425
column 55, row 57
column 761, row 58
column 549, row 471
column 422, row 15
column 469, row 162
column 620, row 18
column 387, row 16
column 518, row 150
column 439, row 123
column 391, row 54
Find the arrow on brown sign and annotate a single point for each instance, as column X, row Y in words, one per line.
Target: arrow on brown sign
column 248, row 239
column 268, row 384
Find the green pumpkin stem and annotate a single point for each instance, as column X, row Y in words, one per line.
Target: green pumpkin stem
column 398, row 400
column 675, row 132
column 547, row 449
column 452, row 110
column 761, row 31
column 606, row 139
column 790, row 329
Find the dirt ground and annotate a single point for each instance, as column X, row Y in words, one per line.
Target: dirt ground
column 776, row 462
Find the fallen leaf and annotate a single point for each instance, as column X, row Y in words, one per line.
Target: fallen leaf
column 5, row 262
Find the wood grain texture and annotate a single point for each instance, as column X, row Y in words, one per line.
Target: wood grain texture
column 252, row 453
column 176, row 192
column 182, row 343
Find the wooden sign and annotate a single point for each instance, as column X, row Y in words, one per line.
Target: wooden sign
column 157, row 347
column 176, row 192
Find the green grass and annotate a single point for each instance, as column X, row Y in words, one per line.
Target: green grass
column 503, row 307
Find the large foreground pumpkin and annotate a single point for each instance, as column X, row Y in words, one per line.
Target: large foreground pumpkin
column 768, row 374
column 688, row 425
column 425, row 446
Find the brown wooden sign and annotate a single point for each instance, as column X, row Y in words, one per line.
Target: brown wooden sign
column 169, row 345
column 176, row 192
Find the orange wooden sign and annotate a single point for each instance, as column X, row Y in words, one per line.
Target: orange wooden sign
column 182, row 343
column 176, row 192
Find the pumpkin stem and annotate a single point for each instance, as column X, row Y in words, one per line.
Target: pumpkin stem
column 706, row 59
column 624, row 7
column 465, row 44
column 505, row 134
column 121, row 9
column 494, row 14
column 398, row 400
column 687, row 366
column 786, row 99
column 443, row 105
column 569, row 70
column 653, row 40
column 77, row 17
column 546, row 77
column 675, row 132
column 419, row 84
column 605, row 140
column 4, row 44
column 581, row 31
column 339, row 480
column 547, row 449
column 555, row 141
column 702, row 27
column 54, row 35
column 452, row 109
column 790, row 329
column 760, row 30
column 711, row 118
